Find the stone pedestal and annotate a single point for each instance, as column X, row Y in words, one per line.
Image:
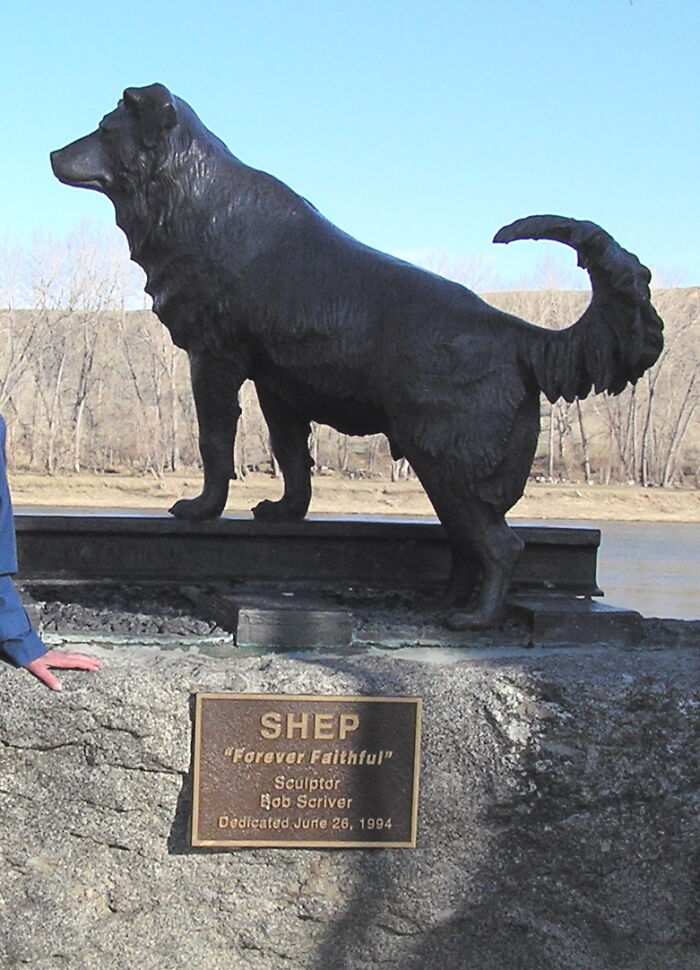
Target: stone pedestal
column 558, row 820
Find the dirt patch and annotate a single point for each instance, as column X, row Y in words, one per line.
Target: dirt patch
column 120, row 610
column 336, row 495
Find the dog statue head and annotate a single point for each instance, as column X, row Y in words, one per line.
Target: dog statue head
column 125, row 144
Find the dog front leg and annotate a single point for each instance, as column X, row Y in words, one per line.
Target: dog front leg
column 289, row 436
column 215, row 386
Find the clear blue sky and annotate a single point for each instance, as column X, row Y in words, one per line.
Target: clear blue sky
column 413, row 125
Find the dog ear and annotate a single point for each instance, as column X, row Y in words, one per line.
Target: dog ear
column 155, row 109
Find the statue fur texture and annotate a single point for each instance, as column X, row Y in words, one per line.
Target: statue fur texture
column 253, row 282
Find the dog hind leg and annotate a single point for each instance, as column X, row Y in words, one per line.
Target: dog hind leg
column 473, row 528
column 289, row 436
column 464, row 576
column 499, row 549
column 465, row 565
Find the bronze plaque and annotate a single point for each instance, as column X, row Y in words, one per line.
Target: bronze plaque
column 285, row 770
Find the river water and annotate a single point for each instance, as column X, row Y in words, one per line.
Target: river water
column 653, row 567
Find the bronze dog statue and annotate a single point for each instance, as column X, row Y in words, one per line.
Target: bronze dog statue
column 253, row 282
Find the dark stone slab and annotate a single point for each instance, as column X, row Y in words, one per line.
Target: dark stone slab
column 289, row 629
column 386, row 553
column 555, row 619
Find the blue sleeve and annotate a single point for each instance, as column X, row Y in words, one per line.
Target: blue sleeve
column 23, row 650
column 17, row 639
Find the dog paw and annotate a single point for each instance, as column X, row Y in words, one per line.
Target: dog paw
column 456, row 597
column 472, row 620
column 195, row 509
column 267, row 511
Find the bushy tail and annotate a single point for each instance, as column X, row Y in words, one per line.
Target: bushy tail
column 620, row 334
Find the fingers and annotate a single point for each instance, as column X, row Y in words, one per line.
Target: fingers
column 66, row 661
column 71, row 661
column 40, row 670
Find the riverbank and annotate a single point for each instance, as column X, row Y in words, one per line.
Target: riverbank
column 341, row 496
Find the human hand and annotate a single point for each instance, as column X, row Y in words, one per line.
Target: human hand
column 67, row 661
